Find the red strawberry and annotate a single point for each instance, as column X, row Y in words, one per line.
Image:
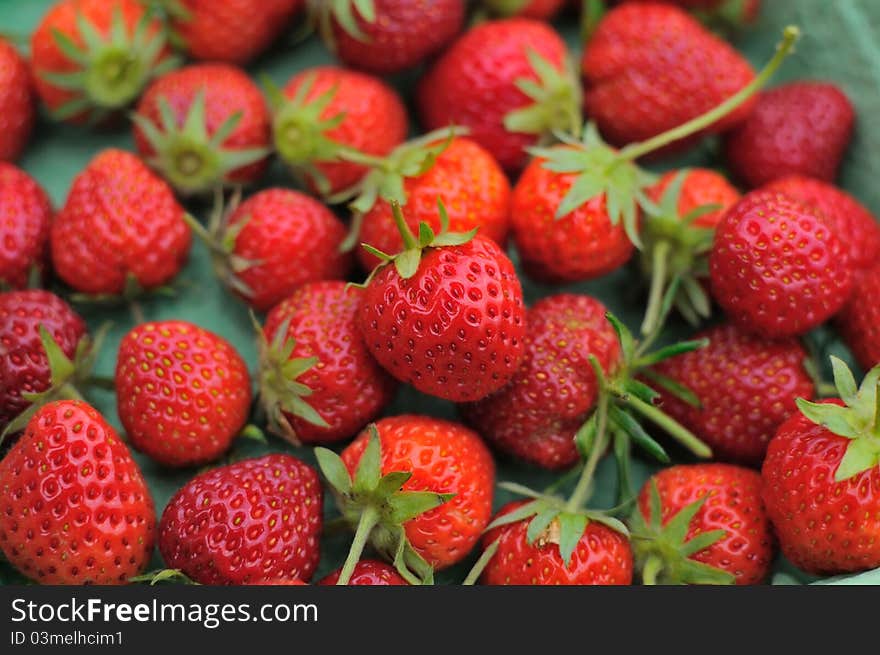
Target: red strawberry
column 859, row 320
column 801, row 128
column 777, row 267
column 256, row 520
column 203, row 126
column 120, row 227
column 319, row 383
column 369, row 572
column 732, row 12
column 700, row 187
column 25, row 215
column 537, row 9
column 650, row 67
column 703, row 524
column 76, row 509
column 746, row 387
column 17, row 111
column 478, row 83
column 821, row 480
column 91, row 58
column 182, row 393
column 849, row 219
column 388, row 36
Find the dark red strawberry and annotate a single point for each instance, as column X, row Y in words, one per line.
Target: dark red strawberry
column 368, row 572
column 25, row 215
column 859, row 320
column 17, row 106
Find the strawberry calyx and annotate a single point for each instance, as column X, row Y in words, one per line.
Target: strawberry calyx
column 323, row 13
column 164, row 576
column 376, row 507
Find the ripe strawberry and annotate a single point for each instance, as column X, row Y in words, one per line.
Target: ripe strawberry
column 859, row 320
column 25, row 215
column 91, row 58
column 256, row 520
column 101, row 240
column 849, row 219
column 821, row 476
column 777, row 267
column 203, row 126
column 387, row 36
column 318, row 382
column 702, row 524
column 508, row 81
column 650, row 67
column 730, row 12
column 368, row 572
column 182, row 393
column 537, row 9
column 745, row 387
column 801, row 128
column 76, row 509
column 17, row 111
column 324, row 113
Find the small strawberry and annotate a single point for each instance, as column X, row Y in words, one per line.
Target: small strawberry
column 821, row 476
column 859, row 320
column 203, row 126
column 182, row 393
column 258, row 520
column 75, row 507
column 702, row 524
column 25, row 215
column 318, row 382
column 121, row 228
column 368, row 572
column 537, row 9
column 801, row 128
column 17, row 106
column 777, row 267
column 92, row 58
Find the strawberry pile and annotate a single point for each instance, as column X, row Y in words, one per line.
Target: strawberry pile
column 427, row 391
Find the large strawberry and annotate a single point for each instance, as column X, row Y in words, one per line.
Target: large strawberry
column 203, row 126
column 182, row 393
column 859, row 320
column 318, row 381
column 257, row 520
column 92, row 58
column 25, row 215
column 821, row 476
column 120, row 228
column 75, row 507
column 368, row 572
column 778, row 268
column 537, row 9
column 17, row 111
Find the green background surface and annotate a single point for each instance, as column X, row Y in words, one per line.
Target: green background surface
column 841, row 42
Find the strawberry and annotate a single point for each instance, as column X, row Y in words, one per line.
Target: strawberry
column 387, row 36
column 777, row 267
column 182, row 393
column 76, row 509
column 509, row 82
column 821, row 476
column 100, row 240
column 735, row 13
column 446, row 314
column 702, row 524
column 368, row 572
column 847, row 216
column 203, row 126
column 92, row 58
column 272, row 243
column 258, row 520
column 17, row 111
column 318, row 382
column 25, row 215
column 537, row 9
column 859, row 320
column 801, row 128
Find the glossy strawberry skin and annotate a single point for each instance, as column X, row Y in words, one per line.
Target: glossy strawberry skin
column 101, row 235
column 25, row 216
column 444, row 457
column 17, row 106
column 581, row 245
column 368, row 572
column 454, row 329
column 24, row 366
column 859, row 320
column 734, row 505
column 75, row 508
column 256, row 520
column 535, row 417
column 182, row 393
column 776, row 266
column 601, row 557
column 824, row 527
column 701, row 187
column 404, row 33
column 650, row 67
column 473, row 189
column 349, row 388
column 801, row 128
column 473, row 84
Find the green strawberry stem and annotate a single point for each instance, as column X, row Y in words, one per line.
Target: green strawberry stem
column 658, row 280
column 368, row 520
column 677, row 431
column 582, row 490
column 653, row 566
column 480, row 565
column 409, row 240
